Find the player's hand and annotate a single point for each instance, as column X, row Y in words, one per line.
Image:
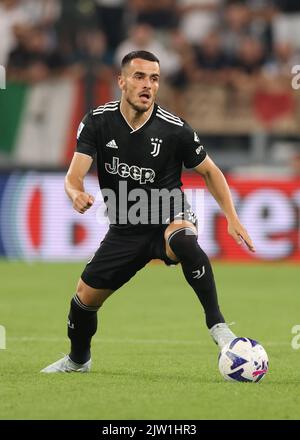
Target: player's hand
column 82, row 201
column 239, row 234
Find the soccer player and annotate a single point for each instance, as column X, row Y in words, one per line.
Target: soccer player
column 140, row 148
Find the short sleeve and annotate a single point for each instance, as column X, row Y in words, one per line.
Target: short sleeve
column 86, row 137
column 193, row 152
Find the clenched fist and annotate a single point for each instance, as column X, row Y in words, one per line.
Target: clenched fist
column 82, row 201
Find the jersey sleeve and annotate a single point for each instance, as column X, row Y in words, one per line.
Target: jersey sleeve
column 86, row 137
column 193, row 152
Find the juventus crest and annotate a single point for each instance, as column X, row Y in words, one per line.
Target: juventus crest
column 156, row 144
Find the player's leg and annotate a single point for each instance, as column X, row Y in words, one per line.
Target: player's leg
column 115, row 262
column 82, row 325
column 82, row 320
column 182, row 245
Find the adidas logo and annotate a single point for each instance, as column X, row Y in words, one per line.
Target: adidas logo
column 112, row 144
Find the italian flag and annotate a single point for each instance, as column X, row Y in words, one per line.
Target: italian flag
column 38, row 123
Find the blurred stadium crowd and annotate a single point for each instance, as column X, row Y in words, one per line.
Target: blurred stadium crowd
column 215, row 54
column 219, row 41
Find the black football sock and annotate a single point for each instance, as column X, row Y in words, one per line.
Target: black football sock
column 82, row 325
column 198, row 272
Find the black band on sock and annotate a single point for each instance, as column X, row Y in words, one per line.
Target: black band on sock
column 82, row 325
column 198, row 272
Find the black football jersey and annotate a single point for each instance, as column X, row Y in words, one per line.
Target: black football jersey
column 133, row 163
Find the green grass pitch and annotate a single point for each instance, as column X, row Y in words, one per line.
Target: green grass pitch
column 152, row 355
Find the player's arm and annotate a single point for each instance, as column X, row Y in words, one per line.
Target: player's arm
column 74, row 182
column 80, row 165
column 219, row 189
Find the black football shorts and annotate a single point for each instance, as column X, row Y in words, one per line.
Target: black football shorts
column 122, row 253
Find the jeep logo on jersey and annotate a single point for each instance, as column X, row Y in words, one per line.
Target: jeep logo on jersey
column 156, row 144
column 124, row 170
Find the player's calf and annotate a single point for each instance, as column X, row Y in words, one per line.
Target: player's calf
column 82, row 325
column 82, row 320
column 197, row 271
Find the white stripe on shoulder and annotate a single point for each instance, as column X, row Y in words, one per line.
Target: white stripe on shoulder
column 171, row 121
column 169, row 115
column 113, row 109
column 112, row 105
column 106, row 106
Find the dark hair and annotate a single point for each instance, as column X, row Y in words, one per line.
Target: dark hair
column 143, row 54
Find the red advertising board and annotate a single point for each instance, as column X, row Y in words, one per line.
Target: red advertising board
column 270, row 211
column 37, row 220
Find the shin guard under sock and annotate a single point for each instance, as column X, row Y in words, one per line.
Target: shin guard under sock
column 198, row 272
column 82, row 325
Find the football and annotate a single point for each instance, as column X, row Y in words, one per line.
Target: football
column 243, row 360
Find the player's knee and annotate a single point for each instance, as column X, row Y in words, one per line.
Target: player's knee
column 183, row 243
column 90, row 296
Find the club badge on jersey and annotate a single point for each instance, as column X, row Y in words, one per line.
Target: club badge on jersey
column 156, row 144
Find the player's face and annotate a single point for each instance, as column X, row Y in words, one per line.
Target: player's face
column 139, row 83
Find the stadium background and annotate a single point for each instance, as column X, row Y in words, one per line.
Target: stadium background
column 226, row 69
